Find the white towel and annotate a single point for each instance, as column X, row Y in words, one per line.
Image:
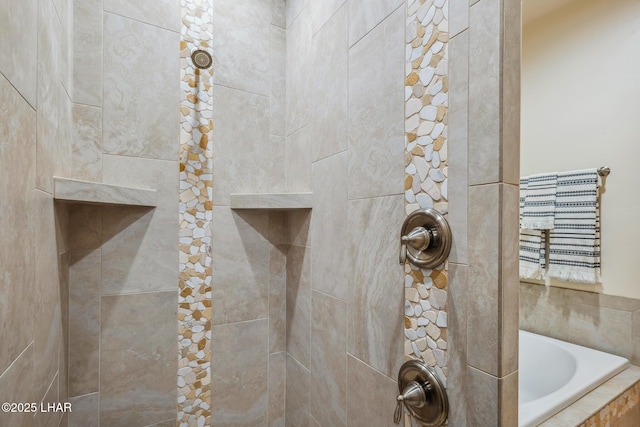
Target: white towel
column 574, row 243
column 538, row 211
column 532, row 245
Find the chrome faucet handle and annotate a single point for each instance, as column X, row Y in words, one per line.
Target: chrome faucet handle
column 414, row 395
column 422, row 394
column 425, row 239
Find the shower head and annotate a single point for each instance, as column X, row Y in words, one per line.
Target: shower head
column 201, row 59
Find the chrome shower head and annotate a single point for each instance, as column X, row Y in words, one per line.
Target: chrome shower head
column 201, row 59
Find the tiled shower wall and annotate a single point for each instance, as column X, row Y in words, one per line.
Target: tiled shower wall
column 35, row 129
column 123, row 273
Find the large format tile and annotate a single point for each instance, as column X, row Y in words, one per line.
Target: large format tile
column 457, row 343
column 299, row 62
column 330, row 263
column 298, row 393
column 298, row 159
column 17, row 210
column 16, row 385
column 299, row 304
column 241, row 44
column 330, row 76
column 141, row 90
column 376, row 294
column 509, row 278
column 371, row 396
column 161, row 13
column 510, row 90
column 484, row 92
column 139, row 244
column 86, row 232
column 86, row 143
column 278, row 78
column 484, row 305
column 458, row 145
column 367, row 14
column 322, row 11
column 84, row 321
column 87, row 52
column 53, row 119
column 239, row 377
column 18, row 56
column 277, row 299
column 138, row 386
column 86, row 411
column 47, row 333
column 240, row 282
column 240, row 138
column 376, row 129
column 276, row 387
column 458, row 17
column 606, row 329
column 328, row 360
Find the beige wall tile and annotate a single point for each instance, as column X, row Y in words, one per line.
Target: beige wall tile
column 63, row 357
column 46, row 418
column 458, row 144
column 18, row 208
column 298, row 155
column 542, row 309
column 47, row 332
column 18, row 59
column 606, row 329
column 328, row 360
column 139, row 244
column 53, row 120
column 87, row 52
column 141, row 93
column 375, row 305
column 240, row 282
column 277, row 299
column 298, row 393
column 483, row 407
column 330, row 263
column 299, row 304
column 483, row 317
column 163, row 13
column 484, row 92
column 458, row 17
column 298, row 68
column 86, row 229
column 238, row 143
column 376, row 129
column 330, row 74
column 635, row 337
column 371, row 396
column 299, row 228
column 279, row 13
column 241, row 44
column 322, row 11
column 510, row 275
column 511, row 37
column 16, row 385
column 138, row 386
column 86, row 411
column 239, row 386
column 277, row 73
column 457, row 343
column 367, row 14
column 277, row 164
column 84, row 321
column 276, row 388
column 86, row 144
column 293, row 9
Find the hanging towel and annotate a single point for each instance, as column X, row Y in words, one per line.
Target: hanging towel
column 574, row 243
column 538, row 210
column 532, row 245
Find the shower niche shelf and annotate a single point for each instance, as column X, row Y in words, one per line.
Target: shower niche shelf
column 79, row 191
column 272, row 201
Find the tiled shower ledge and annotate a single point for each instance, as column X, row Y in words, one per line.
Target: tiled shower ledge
column 272, row 201
column 74, row 190
column 592, row 402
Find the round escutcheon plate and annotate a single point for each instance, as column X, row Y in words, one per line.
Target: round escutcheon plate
column 436, row 409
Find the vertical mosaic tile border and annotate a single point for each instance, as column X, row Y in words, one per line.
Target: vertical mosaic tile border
column 611, row 413
column 425, row 185
column 196, row 182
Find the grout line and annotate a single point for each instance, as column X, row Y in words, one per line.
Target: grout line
column 142, row 22
column 17, row 357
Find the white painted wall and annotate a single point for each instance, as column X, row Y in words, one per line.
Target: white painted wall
column 581, row 109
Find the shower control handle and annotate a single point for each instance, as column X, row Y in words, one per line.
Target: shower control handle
column 422, row 394
column 425, row 238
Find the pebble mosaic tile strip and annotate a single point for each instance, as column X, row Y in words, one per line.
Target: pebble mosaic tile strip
column 196, row 181
column 425, row 185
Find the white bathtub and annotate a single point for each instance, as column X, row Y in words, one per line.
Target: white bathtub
column 553, row 374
